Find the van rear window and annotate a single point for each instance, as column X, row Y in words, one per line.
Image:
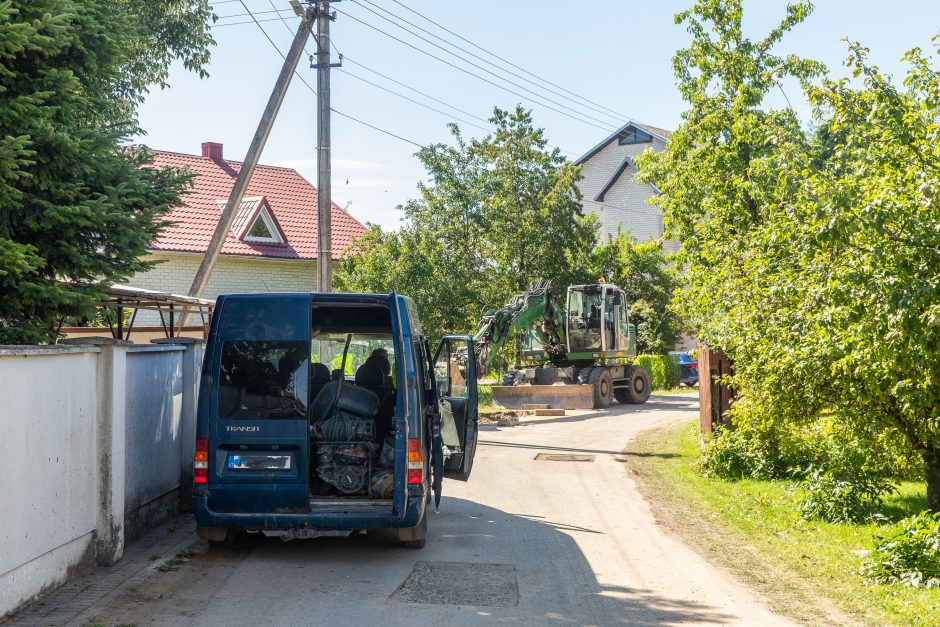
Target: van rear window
column 262, row 379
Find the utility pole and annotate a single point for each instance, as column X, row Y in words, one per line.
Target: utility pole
column 324, row 187
column 251, row 160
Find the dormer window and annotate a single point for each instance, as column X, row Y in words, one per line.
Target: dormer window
column 254, row 222
column 633, row 135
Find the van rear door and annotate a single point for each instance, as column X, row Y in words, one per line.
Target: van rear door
column 258, row 409
column 455, row 372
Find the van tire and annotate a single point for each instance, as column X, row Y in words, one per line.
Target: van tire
column 415, row 537
column 217, row 536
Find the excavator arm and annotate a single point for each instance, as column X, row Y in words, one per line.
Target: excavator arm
column 537, row 308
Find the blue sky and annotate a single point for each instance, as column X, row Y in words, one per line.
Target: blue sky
column 614, row 52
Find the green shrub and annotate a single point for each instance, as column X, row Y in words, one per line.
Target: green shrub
column 734, row 454
column 663, row 369
column 908, row 553
column 829, row 496
column 484, row 395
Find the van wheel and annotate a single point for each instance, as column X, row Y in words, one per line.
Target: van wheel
column 217, row 536
column 415, row 537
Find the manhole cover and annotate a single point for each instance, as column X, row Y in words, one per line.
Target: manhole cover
column 553, row 457
column 457, row 583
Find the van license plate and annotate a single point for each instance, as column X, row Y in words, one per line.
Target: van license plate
column 257, row 461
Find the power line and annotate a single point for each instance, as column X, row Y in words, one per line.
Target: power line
column 606, row 127
column 618, row 117
column 270, row 19
column 418, row 91
column 256, row 13
column 314, row 92
column 504, row 60
column 420, row 104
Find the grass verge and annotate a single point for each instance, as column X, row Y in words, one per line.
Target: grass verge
column 806, row 570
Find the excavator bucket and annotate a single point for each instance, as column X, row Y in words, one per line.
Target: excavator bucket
column 555, row 396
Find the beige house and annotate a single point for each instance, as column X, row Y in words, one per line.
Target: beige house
column 272, row 246
column 610, row 189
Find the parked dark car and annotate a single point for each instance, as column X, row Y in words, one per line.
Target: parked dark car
column 688, row 368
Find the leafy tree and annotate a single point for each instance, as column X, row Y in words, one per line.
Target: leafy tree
column 811, row 257
column 871, row 229
column 649, row 282
column 495, row 214
column 77, row 206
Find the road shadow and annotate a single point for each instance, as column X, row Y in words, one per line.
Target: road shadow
column 353, row 580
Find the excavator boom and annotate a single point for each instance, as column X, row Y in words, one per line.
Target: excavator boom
column 536, row 308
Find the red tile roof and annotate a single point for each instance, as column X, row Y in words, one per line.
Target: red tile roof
column 292, row 201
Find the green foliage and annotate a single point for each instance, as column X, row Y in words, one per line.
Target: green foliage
column 760, row 449
column 810, row 258
column 733, row 454
column 484, row 395
column 76, row 204
column 841, row 498
column 496, row 214
column 663, row 369
column 644, row 272
column 907, row 554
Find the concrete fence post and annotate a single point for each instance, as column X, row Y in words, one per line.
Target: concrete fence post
column 192, row 366
column 111, row 446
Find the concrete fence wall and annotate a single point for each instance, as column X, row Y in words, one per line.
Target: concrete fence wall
column 96, row 442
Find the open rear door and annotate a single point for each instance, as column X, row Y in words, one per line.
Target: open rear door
column 455, row 376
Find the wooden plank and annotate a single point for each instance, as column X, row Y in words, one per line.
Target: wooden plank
column 704, row 389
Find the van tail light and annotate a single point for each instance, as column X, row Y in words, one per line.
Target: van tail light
column 415, row 462
column 201, row 461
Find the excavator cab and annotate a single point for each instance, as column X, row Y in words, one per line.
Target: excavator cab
column 598, row 322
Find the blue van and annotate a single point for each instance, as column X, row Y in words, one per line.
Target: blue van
column 326, row 414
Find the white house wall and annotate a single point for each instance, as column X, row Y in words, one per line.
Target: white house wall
column 176, row 271
column 98, row 441
column 48, row 491
column 625, row 204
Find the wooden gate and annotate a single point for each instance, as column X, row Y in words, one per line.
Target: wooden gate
column 714, row 398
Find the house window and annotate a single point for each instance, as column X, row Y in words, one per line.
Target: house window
column 633, row 135
column 263, row 230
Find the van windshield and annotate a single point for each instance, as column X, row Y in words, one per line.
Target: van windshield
column 263, row 379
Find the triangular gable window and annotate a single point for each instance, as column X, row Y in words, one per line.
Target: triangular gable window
column 634, row 135
column 254, row 223
column 264, row 229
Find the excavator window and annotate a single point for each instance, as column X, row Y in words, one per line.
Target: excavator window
column 584, row 320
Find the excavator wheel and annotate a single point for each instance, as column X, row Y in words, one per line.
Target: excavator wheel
column 638, row 387
column 584, row 375
column 603, row 387
column 513, row 377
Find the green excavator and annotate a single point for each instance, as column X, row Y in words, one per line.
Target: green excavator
column 585, row 340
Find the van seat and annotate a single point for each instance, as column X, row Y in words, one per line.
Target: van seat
column 371, row 376
column 319, row 377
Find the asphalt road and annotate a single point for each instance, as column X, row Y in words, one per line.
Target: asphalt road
column 525, row 540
